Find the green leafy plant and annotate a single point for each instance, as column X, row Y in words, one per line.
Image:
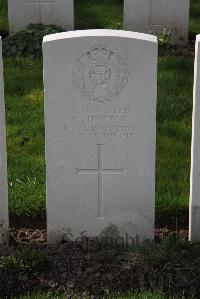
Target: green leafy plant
column 164, row 39
column 24, row 263
column 28, row 43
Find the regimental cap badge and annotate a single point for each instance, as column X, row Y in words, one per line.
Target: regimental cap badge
column 100, row 74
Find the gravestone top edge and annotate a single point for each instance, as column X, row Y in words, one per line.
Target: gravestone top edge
column 102, row 33
column 198, row 38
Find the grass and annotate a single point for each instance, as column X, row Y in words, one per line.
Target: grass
column 25, row 136
column 194, row 17
column 25, row 124
column 141, row 296
column 131, row 296
column 98, row 14
column 3, row 16
column 174, row 110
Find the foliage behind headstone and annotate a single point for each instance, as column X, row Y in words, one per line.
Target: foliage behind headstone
column 28, row 43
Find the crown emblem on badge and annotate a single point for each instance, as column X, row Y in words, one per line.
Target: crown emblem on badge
column 99, row 53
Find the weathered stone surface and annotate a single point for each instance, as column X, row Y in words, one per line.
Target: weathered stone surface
column 100, row 118
column 195, row 158
column 158, row 17
column 3, row 163
column 48, row 12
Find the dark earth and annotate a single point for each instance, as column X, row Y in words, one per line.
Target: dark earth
column 92, row 270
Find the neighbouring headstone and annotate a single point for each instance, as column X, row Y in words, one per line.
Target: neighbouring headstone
column 195, row 156
column 48, row 12
column 3, row 163
column 100, row 119
column 157, row 17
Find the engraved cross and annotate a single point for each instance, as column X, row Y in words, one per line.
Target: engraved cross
column 100, row 171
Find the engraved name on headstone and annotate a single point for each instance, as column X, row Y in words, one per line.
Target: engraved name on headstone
column 100, row 120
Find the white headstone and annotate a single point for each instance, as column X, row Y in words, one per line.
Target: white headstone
column 48, row 12
column 195, row 158
column 100, row 118
column 3, row 163
column 158, row 17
